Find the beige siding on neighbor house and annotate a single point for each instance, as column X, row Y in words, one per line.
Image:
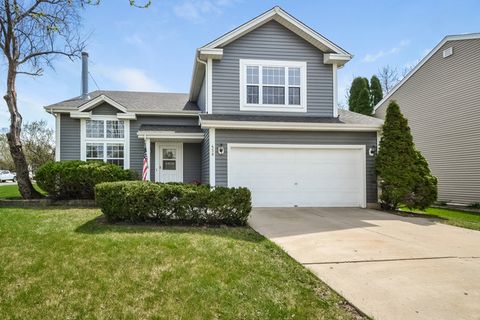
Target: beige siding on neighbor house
column 442, row 104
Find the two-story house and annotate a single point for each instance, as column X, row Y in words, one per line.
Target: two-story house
column 261, row 113
column 440, row 97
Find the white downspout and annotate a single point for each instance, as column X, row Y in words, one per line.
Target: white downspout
column 207, row 100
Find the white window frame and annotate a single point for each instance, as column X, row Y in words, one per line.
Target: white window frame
column 244, row 106
column 125, row 140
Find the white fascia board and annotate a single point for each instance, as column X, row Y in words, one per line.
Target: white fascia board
column 336, row 58
column 127, row 116
column 170, row 135
column 210, row 53
column 80, row 115
column 469, row 36
column 290, row 126
column 285, row 19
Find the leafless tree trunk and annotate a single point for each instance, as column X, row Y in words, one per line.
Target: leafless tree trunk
column 16, row 150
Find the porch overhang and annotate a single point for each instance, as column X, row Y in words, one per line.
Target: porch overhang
column 171, row 133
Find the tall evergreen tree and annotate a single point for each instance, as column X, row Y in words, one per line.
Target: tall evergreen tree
column 375, row 90
column 364, row 105
column 403, row 171
column 358, row 84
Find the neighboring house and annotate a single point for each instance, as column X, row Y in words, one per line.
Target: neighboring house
column 440, row 98
column 261, row 113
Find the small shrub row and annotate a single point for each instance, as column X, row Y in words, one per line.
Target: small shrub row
column 139, row 201
column 75, row 179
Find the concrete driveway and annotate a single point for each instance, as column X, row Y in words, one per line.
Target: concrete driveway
column 390, row 267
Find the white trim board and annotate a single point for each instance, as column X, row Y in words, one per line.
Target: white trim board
column 361, row 148
column 295, row 126
column 57, row 136
column 100, row 99
column 170, row 135
column 335, row 91
column 469, row 36
column 212, row 153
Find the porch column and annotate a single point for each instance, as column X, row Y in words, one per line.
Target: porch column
column 149, row 159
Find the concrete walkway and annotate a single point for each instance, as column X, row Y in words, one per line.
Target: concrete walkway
column 388, row 266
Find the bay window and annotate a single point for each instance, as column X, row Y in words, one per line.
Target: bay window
column 105, row 139
column 272, row 85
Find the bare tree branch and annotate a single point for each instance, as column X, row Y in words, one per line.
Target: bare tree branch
column 388, row 77
column 32, row 34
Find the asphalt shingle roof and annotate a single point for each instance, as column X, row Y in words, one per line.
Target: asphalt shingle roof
column 137, row 101
column 247, row 117
column 350, row 117
column 344, row 116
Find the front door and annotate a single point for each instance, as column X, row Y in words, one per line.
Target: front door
column 169, row 162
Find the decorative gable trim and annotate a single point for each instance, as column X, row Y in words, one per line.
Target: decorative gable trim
column 99, row 100
column 288, row 21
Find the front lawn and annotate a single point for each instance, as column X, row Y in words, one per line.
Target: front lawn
column 10, row 191
column 67, row 263
column 457, row 218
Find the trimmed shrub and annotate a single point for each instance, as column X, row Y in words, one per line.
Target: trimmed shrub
column 75, row 179
column 144, row 201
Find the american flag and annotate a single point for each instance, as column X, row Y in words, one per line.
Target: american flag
column 145, row 165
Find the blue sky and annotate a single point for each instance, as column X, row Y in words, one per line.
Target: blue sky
column 153, row 49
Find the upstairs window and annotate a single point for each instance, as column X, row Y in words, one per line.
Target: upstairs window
column 272, row 85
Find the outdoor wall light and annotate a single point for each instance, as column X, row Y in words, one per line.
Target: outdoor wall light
column 372, row 151
column 221, row 149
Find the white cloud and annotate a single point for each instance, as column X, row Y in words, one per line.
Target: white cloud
column 196, row 10
column 136, row 80
column 134, row 39
column 130, row 79
column 372, row 57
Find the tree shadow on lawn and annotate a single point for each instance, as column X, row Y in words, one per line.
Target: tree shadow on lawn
column 100, row 225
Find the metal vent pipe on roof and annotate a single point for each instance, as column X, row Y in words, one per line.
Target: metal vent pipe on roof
column 85, row 76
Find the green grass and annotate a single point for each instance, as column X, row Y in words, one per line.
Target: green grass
column 11, row 191
column 457, row 218
column 67, row 263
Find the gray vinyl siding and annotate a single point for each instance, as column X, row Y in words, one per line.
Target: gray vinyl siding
column 272, row 41
column 105, row 109
column 441, row 101
column 281, row 137
column 69, row 138
column 192, row 162
column 201, row 101
column 205, row 158
column 137, row 145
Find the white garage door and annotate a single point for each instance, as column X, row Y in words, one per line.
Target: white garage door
column 303, row 176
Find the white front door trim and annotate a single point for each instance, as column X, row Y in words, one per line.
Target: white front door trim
column 361, row 148
column 159, row 177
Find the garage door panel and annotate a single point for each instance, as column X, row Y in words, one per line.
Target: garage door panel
column 282, row 176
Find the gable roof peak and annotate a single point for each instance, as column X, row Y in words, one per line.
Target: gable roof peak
column 284, row 18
